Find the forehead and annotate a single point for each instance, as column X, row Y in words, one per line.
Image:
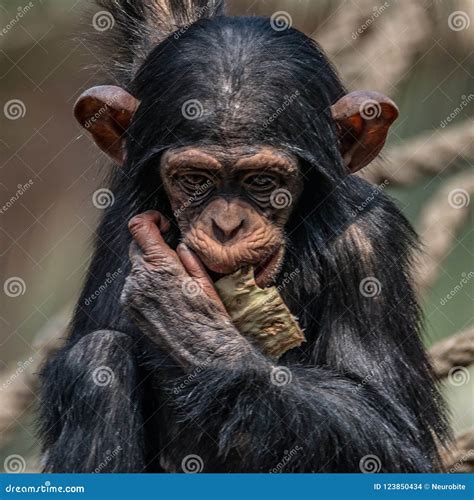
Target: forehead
column 220, row 158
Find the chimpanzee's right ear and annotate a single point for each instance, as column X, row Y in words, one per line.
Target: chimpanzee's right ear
column 363, row 119
column 106, row 112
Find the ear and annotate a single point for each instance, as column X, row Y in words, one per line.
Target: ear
column 363, row 120
column 106, row 112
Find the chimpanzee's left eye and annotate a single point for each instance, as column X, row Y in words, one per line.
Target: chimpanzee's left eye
column 261, row 182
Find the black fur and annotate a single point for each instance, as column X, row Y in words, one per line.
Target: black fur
column 361, row 385
column 140, row 25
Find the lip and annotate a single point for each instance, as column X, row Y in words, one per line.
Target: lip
column 265, row 271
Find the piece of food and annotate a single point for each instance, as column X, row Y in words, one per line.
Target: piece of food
column 259, row 313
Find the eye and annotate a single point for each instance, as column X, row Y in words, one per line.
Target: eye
column 195, row 184
column 261, row 182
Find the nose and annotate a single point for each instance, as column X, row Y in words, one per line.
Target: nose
column 226, row 229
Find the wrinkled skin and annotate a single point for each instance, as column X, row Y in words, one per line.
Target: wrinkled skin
column 171, row 297
column 231, row 205
column 224, row 203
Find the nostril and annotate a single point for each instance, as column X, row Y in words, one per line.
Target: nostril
column 219, row 234
column 233, row 232
column 226, row 232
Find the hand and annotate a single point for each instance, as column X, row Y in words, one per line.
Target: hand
column 173, row 300
column 150, row 250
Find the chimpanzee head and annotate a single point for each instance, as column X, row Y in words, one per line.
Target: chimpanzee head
column 233, row 122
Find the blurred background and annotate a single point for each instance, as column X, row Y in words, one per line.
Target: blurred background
column 418, row 52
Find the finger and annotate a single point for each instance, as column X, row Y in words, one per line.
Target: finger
column 195, row 268
column 146, row 230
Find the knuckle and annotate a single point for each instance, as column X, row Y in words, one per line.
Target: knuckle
column 155, row 261
column 136, row 223
column 155, row 257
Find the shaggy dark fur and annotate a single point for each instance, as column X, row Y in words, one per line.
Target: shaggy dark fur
column 361, row 384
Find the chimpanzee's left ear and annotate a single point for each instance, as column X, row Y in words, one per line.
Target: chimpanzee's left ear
column 363, row 119
column 106, row 112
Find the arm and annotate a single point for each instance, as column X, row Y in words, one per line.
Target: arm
column 332, row 423
column 90, row 414
column 256, row 411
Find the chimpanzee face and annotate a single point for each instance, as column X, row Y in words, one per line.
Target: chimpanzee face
column 231, row 205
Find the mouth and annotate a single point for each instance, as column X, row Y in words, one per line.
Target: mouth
column 264, row 272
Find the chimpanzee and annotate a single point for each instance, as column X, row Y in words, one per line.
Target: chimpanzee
column 210, row 116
